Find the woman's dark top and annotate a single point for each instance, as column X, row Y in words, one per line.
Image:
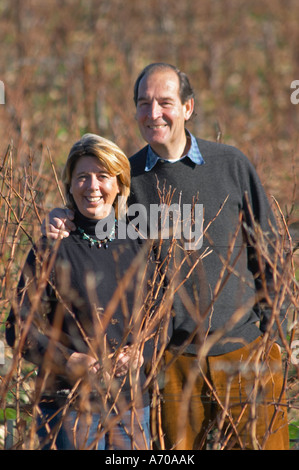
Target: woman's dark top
column 86, row 299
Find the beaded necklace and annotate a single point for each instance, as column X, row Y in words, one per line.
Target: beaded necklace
column 96, row 241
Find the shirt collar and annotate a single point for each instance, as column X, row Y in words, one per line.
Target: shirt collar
column 193, row 153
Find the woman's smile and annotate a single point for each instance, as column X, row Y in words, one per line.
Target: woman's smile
column 93, row 199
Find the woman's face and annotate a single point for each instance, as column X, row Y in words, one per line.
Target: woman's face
column 93, row 188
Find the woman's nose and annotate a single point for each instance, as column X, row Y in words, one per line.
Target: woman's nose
column 93, row 182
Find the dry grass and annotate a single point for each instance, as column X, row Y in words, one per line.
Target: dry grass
column 22, row 211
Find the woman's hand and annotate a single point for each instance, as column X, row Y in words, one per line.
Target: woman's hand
column 79, row 365
column 128, row 358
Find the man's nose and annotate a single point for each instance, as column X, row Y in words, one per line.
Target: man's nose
column 154, row 110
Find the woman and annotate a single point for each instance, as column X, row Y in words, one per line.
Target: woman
column 83, row 322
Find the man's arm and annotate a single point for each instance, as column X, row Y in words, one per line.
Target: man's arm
column 58, row 224
column 264, row 261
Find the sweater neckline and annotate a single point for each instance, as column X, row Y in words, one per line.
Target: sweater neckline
column 87, row 229
column 88, row 225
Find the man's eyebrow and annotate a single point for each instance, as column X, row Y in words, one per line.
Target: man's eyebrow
column 161, row 98
column 142, row 98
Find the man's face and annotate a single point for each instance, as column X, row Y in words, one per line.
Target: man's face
column 160, row 113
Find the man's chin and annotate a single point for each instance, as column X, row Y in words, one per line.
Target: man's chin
column 157, row 144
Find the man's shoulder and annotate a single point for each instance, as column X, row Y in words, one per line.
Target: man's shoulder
column 224, row 156
column 138, row 161
column 210, row 148
column 140, row 155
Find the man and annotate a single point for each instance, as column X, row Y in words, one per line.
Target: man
column 221, row 328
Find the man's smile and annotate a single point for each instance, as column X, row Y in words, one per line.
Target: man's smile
column 157, row 126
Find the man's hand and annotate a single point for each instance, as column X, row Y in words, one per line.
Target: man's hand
column 58, row 224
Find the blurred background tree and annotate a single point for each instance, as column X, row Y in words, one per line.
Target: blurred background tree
column 69, row 66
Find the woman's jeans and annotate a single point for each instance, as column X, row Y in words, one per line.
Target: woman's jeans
column 84, row 431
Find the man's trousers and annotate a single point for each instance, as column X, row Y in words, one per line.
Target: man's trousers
column 236, row 400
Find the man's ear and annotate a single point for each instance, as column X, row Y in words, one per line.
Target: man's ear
column 189, row 108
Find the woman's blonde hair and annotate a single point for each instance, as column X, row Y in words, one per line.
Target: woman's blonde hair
column 111, row 157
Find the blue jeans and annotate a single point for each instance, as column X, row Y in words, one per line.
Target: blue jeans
column 81, row 432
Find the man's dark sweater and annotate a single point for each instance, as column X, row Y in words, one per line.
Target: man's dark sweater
column 222, row 182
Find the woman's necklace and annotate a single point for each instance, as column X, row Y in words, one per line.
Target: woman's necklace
column 96, row 241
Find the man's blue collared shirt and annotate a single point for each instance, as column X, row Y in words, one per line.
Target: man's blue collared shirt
column 193, row 153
